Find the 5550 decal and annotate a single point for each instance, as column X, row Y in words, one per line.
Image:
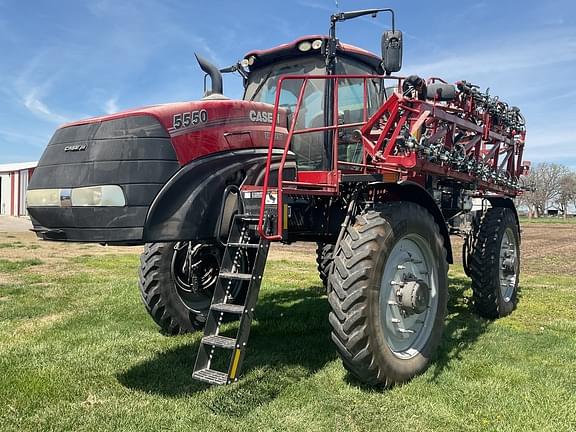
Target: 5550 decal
column 183, row 120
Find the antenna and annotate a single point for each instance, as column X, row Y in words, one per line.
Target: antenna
column 337, row 6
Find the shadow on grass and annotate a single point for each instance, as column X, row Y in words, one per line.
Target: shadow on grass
column 463, row 327
column 289, row 341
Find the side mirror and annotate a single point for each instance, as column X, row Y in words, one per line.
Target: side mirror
column 392, row 51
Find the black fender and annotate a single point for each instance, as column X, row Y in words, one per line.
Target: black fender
column 188, row 206
column 506, row 202
column 413, row 192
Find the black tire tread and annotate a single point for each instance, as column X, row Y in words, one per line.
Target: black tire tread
column 150, row 291
column 324, row 257
column 483, row 263
column 349, row 285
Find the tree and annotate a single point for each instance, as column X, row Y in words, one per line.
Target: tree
column 544, row 185
column 566, row 192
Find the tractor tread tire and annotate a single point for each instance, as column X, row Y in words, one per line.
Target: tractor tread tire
column 153, row 281
column 353, row 296
column 324, row 258
column 484, row 264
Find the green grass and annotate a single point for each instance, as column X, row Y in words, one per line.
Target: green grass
column 547, row 220
column 9, row 266
column 78, row 352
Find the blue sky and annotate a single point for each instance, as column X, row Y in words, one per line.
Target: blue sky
column 65, row 60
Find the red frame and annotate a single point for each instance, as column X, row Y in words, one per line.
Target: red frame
column 483, row 141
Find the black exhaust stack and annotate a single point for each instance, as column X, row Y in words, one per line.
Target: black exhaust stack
column 213, row 72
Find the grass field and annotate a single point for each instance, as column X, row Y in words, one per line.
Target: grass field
column 78, row 352
column 548, row 220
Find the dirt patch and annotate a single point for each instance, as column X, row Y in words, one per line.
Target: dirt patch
column 545, row 249
column 9, row 224
column 39, row 323
column 549, row 249
column 5, row 279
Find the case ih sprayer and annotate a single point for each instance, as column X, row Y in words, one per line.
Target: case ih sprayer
column 327, row 147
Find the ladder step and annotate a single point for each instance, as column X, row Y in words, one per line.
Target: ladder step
column 244, row 245
column 211, row 376
column 219, row 341
column 248, row 218
column 237, row 276
column 228, row 308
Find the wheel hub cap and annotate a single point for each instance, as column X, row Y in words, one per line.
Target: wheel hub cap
column 408, row 296
column 414, row 297
column 508, row 265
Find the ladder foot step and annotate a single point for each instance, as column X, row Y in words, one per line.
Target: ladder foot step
column 219, row 341
column 228, row 308
column 236, row 276
column 244, row 245
column 211, row 376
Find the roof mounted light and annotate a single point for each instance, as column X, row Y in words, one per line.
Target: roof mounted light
column 305, row 46
column 248, row 61
column 317, row 44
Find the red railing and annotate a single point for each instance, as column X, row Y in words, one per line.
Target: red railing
column 406, row 135
column 331, row 177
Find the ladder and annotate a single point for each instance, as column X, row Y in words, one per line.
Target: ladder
column 243, row 263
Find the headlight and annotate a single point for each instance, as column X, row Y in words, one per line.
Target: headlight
column 98, row 196
column 43, row 198
column 91, row 196
column 317, row 44
column 305, row 46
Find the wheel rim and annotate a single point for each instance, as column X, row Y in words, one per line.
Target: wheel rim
column 194, row 271
column 508, row 270
column 409, row 296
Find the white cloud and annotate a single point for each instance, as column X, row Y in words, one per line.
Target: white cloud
column 553, row 143
column 34, row 139
column 111, row 106
column 315, row 5
column 524, row 52
column 35, row 105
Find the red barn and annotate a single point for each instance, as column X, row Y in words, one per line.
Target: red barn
column 13, row 183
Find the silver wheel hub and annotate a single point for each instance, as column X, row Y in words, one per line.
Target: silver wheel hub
column 409, row 296
column 413, row 297
column 508, row 272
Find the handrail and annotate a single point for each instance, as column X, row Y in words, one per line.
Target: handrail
column 335, row 126
column 280, row 175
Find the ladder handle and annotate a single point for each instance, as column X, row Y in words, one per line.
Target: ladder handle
column 280, row 176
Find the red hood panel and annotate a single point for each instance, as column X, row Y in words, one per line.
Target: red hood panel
column 203, row 127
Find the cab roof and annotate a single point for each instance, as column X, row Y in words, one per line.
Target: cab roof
column 290, row 50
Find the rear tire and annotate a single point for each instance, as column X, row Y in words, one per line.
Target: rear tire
column 495, row 264
column 371, row 322
column 324, row 259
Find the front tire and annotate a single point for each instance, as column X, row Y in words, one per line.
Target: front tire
column 177, row 282
column 388, row 293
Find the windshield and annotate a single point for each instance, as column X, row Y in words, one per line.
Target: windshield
column 313, row 149
column 262, row 83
